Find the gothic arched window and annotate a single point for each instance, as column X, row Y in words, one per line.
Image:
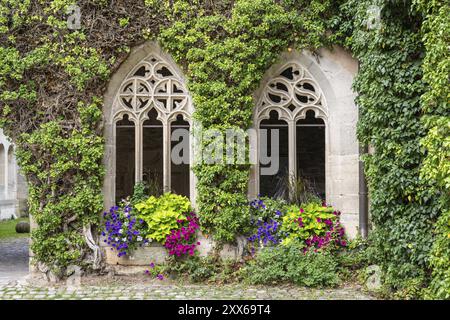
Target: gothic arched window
column 11, row 171
column 151, row 104
column 291, row 111
column 3, row 169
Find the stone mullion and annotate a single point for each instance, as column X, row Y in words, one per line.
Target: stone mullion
column 256, row 170
column 138, row 151
column 192, row 178
column 292, row 136
column 166, row 157
column 6, row 171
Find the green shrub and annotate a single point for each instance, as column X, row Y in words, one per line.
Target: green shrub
column 313, row 225
column 196, row 268
column 139, row 193
column 162, row 214
column 359, row 253
column 436, row 170
column 289, row 264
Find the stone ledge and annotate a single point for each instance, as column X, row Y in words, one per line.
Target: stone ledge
column 142, row 256
column 156, row 253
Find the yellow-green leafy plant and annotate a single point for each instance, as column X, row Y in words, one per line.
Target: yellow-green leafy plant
column 314, row 225
column 162, row 214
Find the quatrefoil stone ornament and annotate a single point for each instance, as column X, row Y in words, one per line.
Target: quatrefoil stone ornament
column 291, row 91
column 152, row 84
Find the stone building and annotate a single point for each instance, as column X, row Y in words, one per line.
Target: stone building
column 13, row 189
column 308, row 98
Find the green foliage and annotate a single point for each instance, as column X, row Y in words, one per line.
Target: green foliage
column 225, row 47
column 66, row 195
column 311, row 220
column 195, row 269
column 435, row 103
column 359, row 253
column 389, row 84
column 139, row 194
column 288, row 263
column 162, row 214
column 50, row 76
column 265, row 208
column 226, row 50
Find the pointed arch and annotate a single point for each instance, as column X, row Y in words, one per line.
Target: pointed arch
column 145, row 98
column 3, row 170
column 288, row 95
column 326, row 102
column 11, row 171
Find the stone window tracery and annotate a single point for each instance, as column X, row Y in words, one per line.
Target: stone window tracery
column 151, row 102
column 293, row 103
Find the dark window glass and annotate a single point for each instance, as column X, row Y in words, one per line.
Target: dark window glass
column 180, row 171
column 125, row 158
column 311, row 153
column 153, row 154
column 269, row 185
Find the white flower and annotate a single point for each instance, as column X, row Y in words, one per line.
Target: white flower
column 120, row 231
column 116, row 239
column 124, row 239
column 139, row 238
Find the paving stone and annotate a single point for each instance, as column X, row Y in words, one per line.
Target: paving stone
column 14, row 266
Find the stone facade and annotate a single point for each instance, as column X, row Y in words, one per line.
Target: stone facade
column 331, row 71
column 13, row 188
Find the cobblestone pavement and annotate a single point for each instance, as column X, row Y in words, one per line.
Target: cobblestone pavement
column 140, row 289
column 13, row 259
column 15, row 285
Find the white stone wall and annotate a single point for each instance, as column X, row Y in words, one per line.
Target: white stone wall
column 13, row 188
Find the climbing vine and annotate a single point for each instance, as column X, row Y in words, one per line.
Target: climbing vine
column 52, row 78
column 390, row 83
column 436, row 165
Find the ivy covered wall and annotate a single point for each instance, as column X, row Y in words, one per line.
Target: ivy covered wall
column 52, row 79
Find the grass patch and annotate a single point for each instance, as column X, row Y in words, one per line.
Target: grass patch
column 8, row 229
